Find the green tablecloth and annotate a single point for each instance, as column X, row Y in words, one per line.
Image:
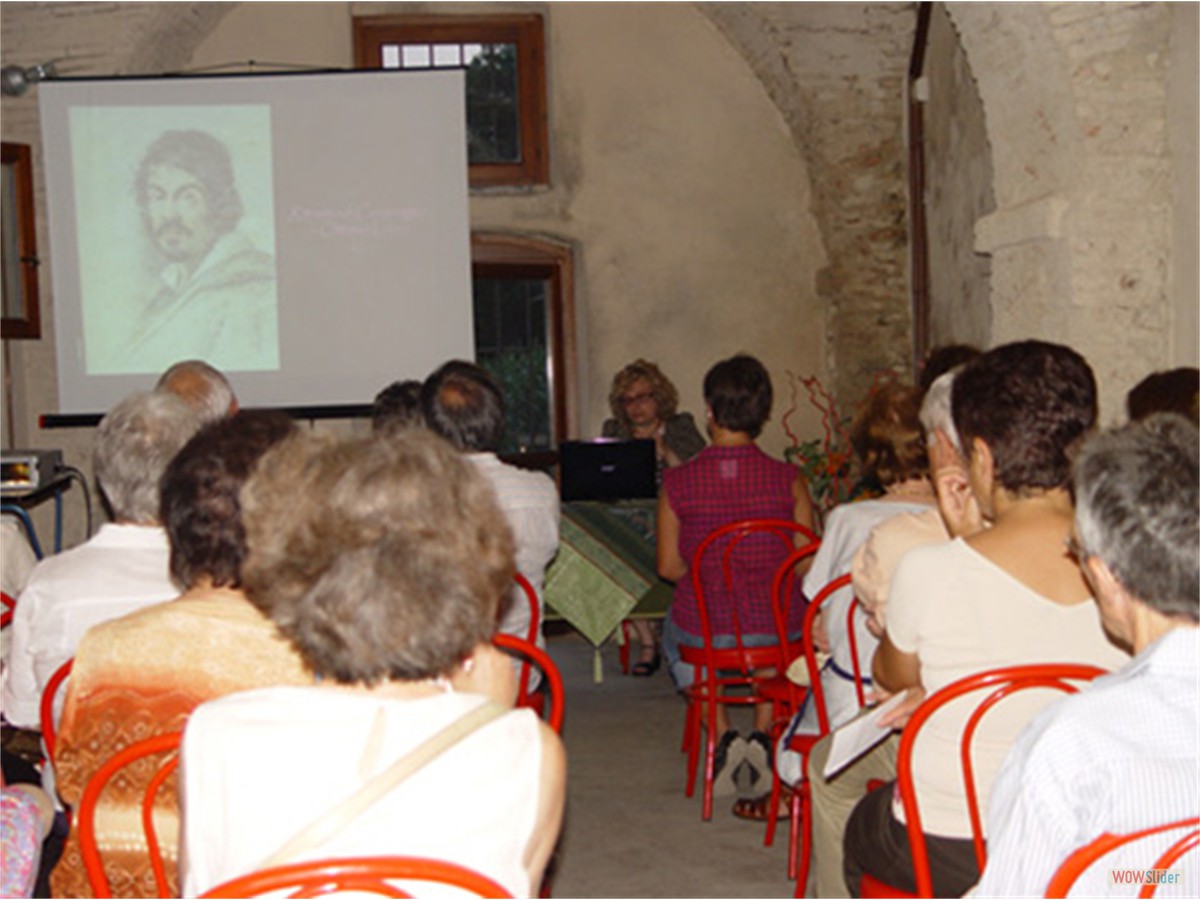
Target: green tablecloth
column 605, row 569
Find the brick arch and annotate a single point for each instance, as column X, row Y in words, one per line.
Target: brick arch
column 1074, row 100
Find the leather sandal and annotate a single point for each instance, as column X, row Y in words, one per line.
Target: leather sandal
column 758, row 809
column 646, row 667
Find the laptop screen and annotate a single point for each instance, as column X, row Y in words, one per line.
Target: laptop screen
column 607, row 470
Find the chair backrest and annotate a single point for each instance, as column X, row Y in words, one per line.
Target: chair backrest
column 810, row 650
column 49, row 694
column 1083, row 858
column 533, row 654
column 163, row 744
column 531, row 635
column 9, row 605
column 991, row 687
column 727, row 540
column 365, row 875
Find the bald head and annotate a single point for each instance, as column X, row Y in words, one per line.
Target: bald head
column 201, row 387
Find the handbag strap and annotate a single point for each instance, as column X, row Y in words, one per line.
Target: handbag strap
column 325, row 827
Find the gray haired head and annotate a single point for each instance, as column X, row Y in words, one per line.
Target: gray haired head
column 134, row 444
column 202, row 387
column 1137, row 507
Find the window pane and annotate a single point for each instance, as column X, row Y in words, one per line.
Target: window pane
column 446, row 55
column 492, row 109
column 391, row 56
column 515, row 311
column 416, row 56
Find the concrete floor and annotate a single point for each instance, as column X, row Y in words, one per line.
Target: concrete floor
column 630, row 831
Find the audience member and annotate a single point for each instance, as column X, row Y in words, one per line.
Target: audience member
column 1123, row 754
column 1007, row 595
column 887, row 438
column 397, row 406
column 462, row 403
column 202, row 387
column 143, row 674
column 395, row 618
column 730, row 480
column 122, row 568
column 644, row 404
column 27, row 813
column 876, row 559
column 1175, row 390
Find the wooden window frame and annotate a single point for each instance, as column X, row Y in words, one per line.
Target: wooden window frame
column 512, row 256
column 23, row 267
column 526, row 31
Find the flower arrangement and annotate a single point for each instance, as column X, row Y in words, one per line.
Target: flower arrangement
column 828, row 462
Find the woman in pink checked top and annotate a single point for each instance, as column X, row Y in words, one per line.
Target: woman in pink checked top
column 726, row 482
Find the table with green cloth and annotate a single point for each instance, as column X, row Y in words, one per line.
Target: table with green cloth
column 605, row 570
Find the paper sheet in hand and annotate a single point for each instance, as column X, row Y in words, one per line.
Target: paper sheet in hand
column 855, row 738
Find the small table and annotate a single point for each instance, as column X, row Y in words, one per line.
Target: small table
column 605, row 570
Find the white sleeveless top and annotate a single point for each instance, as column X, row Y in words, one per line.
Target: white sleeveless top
column 262, row 765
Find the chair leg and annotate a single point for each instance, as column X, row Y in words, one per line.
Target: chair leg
column 691, row 744
column 772, row 806
column 802, row 811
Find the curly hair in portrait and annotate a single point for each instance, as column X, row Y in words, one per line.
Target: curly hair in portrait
column 887, row 437
column 1137, row 507
column 1031, row 402
column 378, row 558
column 1175, row 390
column 666, row 398
column 738, row 391
column 200, row 507
column 134, row 444
column 463, row 403
column 204, row 157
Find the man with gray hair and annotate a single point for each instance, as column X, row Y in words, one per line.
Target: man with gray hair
column 1123, row 754
column 205, row 389
column 124, row 567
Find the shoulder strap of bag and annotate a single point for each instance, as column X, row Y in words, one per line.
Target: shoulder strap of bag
column 325, row 827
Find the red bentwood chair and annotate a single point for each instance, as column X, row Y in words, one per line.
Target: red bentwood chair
column 1083, row 858
column 998, row 684
column 363, row 875
column 10, row 606
column 726, row 675
column 800, row 841
column 49, row 694
column 133, row 755
column 551, row 677
column 524, row 697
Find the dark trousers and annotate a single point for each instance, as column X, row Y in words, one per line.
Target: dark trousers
column 877, row 844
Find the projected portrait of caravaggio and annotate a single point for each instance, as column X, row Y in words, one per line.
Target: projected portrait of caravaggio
column 215, row 295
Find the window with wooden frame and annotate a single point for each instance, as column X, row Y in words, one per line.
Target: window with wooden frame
column 505, row 62
column 524, row 335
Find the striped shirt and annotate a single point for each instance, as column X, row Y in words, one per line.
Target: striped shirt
column 1120, row 756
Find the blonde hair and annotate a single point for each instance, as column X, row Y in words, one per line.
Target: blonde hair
column 666, row 398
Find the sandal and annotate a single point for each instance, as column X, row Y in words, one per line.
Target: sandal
column 646, row 667
column 758, row 809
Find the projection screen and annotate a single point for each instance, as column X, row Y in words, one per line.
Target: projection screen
column 306, row 234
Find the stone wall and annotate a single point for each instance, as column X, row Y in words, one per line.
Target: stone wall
column 958, row 191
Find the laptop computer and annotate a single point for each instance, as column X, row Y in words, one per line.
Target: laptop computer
column 607, row 470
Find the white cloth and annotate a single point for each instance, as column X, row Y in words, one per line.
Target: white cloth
column 846, row 528
column 260, row 766
column 876, row 560
column 530, row 504
column 1120, row 756
column 16, row 562
column 962, row 614
column 121, row 569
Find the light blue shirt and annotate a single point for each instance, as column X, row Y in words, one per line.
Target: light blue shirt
column 1120, row 756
